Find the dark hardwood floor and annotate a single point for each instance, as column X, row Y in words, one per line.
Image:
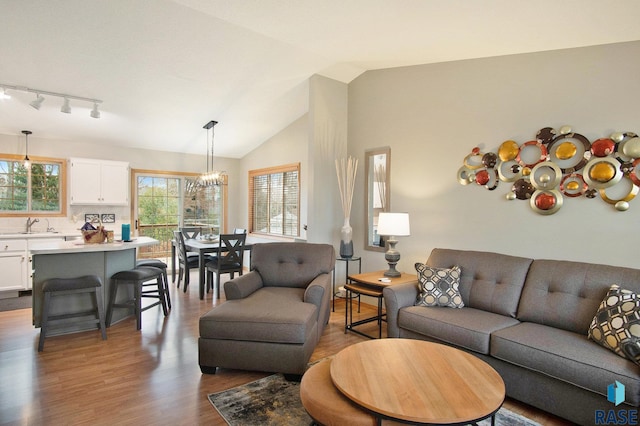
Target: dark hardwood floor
column 134, row 377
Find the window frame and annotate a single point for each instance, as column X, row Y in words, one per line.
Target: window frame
column 63, row 186
column 182, row 175
column 292, row 167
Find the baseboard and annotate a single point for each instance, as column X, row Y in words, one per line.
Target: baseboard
column 9, row 294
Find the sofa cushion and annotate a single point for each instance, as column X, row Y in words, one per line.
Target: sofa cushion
column 271, row 314
column 489, row 281
column 439, row 286
column 616, row 325
column 566, row 356
column 467, row 327
column 566, row 295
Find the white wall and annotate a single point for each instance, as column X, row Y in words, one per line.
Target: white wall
column 433, row 115
column 137, row 158
column 289, row 146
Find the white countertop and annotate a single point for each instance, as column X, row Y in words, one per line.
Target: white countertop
column 78, row 246
column 32, row 235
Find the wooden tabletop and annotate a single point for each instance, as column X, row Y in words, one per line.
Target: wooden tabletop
column 373, row 279
column 418, row 381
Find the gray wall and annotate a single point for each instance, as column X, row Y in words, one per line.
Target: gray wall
column 433, row 115
column 328, row 108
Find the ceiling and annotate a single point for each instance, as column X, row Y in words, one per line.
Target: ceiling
column 164, row 68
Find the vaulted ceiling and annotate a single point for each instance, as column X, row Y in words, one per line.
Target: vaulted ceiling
column 164, row 68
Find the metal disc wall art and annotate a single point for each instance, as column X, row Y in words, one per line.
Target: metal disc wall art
column 558, row 164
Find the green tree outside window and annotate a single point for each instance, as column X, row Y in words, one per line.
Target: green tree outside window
column 30, row 190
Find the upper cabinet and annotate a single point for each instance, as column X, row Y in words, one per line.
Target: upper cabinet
column 98, row 182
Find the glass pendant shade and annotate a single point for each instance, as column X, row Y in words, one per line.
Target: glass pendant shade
column 26, row 162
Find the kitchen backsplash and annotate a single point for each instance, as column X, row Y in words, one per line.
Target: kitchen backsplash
column 72, row 223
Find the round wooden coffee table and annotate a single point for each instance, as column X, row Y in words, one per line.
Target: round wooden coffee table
column 417, row 381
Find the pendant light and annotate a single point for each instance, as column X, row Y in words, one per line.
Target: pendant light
column 26, row 162
column 211, row 177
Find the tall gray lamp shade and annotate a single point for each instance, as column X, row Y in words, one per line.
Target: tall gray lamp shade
column 393, row 225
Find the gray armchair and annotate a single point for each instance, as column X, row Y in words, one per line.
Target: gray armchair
column 274, row 315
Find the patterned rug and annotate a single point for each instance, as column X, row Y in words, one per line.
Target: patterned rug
column 275, row 401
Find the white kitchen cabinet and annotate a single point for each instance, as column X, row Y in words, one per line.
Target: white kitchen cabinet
column 98, row 182
column 14, row 265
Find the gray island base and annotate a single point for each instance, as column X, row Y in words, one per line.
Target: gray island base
column 70, row 260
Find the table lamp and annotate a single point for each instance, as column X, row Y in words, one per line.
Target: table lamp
column 393, row 225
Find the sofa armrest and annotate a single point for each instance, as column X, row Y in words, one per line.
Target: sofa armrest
column 242, row 286
column 395, row 298
column 318, row 292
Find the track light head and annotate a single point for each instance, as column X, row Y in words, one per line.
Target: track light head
column 4, row 94
column 66, row 108
column 38, row 102
column 94, row 112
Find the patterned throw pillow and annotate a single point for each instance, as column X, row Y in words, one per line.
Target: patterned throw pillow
column 616, row 325
column 439, row 286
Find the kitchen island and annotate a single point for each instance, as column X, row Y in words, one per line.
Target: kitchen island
column 70, row 259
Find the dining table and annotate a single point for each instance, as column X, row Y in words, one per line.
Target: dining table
column 203, row 247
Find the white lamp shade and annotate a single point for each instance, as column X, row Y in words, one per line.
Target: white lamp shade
column 394, row 224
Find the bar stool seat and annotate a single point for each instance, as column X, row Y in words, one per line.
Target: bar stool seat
column 137, row 277
column 64, row 286
column 157, row 263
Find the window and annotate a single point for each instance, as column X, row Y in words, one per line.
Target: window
column 204, row 206
column 274, row 197
column 165, row 201
column 39, row 189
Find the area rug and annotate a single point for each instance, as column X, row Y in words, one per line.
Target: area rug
column 275, row 401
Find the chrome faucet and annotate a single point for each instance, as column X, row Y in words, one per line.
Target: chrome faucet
column 30, row 223
column 49, row 228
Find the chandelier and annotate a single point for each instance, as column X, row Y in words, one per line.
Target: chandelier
column 211, row 177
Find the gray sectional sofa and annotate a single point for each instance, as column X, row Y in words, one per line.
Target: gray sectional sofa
column 529, row 319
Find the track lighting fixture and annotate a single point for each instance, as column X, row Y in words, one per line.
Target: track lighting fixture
column 66, row 108
column 37, row 103
column 94, row 112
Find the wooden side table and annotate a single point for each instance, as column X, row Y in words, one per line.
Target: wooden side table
column 370, row 284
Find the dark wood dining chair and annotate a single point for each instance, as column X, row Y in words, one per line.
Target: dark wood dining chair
column 228, row 259
column 190, row 232
column 186, row 260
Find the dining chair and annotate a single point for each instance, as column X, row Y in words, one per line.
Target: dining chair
column 186, row 260
column 228, row 259
column 191, row 231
